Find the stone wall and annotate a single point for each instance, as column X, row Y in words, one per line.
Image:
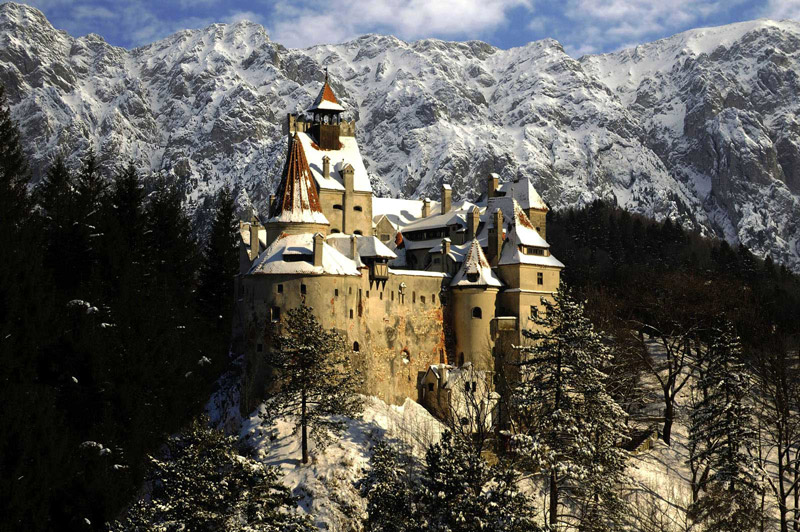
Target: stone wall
column 394, row 328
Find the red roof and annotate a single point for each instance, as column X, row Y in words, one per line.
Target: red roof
column 297, row 198
column 327, row 93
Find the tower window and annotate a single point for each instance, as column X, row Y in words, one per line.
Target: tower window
column 430, row 386
column 280, row 288
column 413, row 297
column 534, row 311
column 358, row 208
column 392, row 295
column 540, row 278
column 302, row 289
column 336, row 292
column 433, row 298
column 337, row 207
column 275, row 314
column 355, row 347
column 334, row 231
column 367, row 294
column 477, row 312
column 351, row 314
column 381, row 296
column 422, row 299
column 357, row 232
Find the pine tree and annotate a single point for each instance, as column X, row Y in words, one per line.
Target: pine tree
column 203, row 484
column 569, row 427
column 55, row 196
column 314, row 378
column 220, row 262
column 90, row 194
column 462, row 493
column 722, row 434
column 389, row 487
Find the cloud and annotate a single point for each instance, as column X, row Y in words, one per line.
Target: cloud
column 337, row 20
column 781, row 9
column 589, row 26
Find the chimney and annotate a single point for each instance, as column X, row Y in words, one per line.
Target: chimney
column 493, row 184
column 347, row 175
column 426, row 207
column 445, row 253
column 318, row 241
column 354, row 247
column 473, row 220
column 271, row 204
column 447, row 198
column 442, row 375
column 496, row 237
column 255, row 244
column 326, row 167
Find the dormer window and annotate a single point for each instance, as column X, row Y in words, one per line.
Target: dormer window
column 473, row 277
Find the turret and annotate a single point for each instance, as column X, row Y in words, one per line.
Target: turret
column 325, row 117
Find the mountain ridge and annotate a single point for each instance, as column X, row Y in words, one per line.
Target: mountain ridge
column 704, row 135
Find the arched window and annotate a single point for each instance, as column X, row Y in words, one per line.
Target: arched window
column 477, row 312
column 333, row 231
column 337, row 207
column 358, row 208
column 355, row 347
column 357, row 232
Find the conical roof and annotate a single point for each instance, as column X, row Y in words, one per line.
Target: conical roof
column 326, row 100
column 475, row 271
column 297, row 199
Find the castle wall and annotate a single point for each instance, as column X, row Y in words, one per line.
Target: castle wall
column 473, row 335
column 398, row 329
column 346, row 218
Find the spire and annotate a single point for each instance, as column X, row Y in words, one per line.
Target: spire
column 326, row 100
column 297, row 199
column 475, row 271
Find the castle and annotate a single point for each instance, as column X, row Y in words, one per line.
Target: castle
column 414, row 286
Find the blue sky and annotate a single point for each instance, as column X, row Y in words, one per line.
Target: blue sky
column 582, row 26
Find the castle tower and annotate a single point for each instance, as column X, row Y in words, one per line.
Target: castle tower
column 474, row 290
column 326, row 117
column 296, row 208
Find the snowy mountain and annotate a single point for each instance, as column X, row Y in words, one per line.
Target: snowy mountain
column 700, row 127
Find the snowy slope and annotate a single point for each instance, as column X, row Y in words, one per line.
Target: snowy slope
column 700, row 127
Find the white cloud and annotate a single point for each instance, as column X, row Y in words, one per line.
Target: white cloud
column 782, row 9
column 337, row 20
column 599, row 25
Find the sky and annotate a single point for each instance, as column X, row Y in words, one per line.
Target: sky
column 581, row 26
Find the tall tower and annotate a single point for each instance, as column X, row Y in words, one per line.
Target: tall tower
column 326, row 118
column 297, row 208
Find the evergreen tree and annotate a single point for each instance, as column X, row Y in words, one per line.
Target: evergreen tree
column 203, row 484
column 722, row 434
column 462, row 493
column 90, row 193
column 220, row 262
column 569, row 427
column 55, row 196
column 389, row 487
column 314, row 378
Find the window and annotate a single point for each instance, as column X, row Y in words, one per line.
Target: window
column 367, row 294
column 540, row 278
column 334, row 231
column 358, row 208
column 534, row 311
column 433, row 298
column 260, row 348
column 337, row 207
column 406, row 356
column 381, row 296
column 538, row 230
column 477, row 312
column 302, row 289
column 350, row 290
column 275, row 314
column 413, row 297
column 422, row 299
column 280, row 288
column 430, row 386
column 351, row 314
column 357, row 232
column 355, row 347
column 392, row 295
column 336, row 292
column 385, row 237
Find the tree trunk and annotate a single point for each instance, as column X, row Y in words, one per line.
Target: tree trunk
column 303, row 429
column 553, row 501
column 669, row 413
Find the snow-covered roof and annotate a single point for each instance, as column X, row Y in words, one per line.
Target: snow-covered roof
column 244, row 232
column 457, row 251
column 326, row 100
column 366, row 246
column 456, row 215
column 273, row 259
column 522, row 190
column 475, row 271
column 297, row 199
column 400, row 212
column 513, row 217
column 418, row 273
column 511, row 254
column 348, row 153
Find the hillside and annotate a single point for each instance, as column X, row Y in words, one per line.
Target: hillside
column 699, row 127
